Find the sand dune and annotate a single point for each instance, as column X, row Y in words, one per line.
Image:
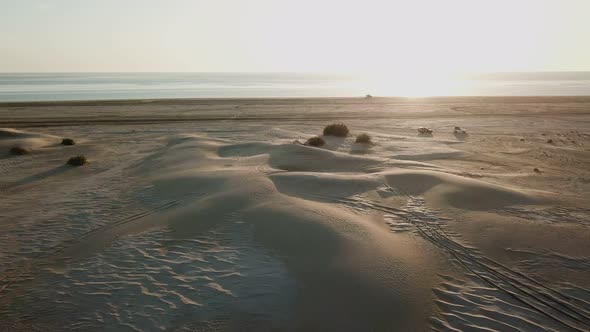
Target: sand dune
column 233, row 227
column 10, row 138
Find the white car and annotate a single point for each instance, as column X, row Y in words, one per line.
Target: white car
column 459, row 131
column 425, row 131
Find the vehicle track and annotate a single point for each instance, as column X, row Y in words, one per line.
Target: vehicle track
column 561, row 308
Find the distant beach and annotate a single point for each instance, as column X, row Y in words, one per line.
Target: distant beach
column 106, row 86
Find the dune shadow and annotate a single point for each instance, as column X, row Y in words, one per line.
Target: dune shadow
column 322, row 188
column 8, row 155
column 430, row 156
column 460, row 136
column 360, row 148
column 300, row 158
column 40, row 176
column 333, row 142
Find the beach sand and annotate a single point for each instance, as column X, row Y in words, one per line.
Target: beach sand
column 203, row 215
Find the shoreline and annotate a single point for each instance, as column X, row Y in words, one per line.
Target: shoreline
column 151, row 121
column 141, row 111
column 410, row 100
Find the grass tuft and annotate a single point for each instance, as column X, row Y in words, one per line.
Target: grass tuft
column 77, row 161
column 363, row 138
column 67, row 141
column 315, row 141
column 336, row 129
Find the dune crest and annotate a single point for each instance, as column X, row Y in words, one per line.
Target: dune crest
column 17, row 138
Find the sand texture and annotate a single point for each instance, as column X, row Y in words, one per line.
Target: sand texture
column 209, row 215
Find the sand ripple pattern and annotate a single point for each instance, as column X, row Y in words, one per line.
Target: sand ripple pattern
column 551, row 215
column 149, row 282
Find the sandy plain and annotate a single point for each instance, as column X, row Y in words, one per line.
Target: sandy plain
column 203, row 215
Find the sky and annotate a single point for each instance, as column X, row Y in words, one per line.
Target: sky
column 369, row 36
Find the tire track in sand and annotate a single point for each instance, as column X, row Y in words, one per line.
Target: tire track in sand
column 560, row 308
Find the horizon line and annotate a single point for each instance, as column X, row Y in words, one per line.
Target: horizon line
column 280, row 72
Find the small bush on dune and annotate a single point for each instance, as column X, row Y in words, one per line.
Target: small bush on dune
column 336, row 129
column 77, row 161
column 18, row 151
column 363, row 138
column 67, row 141
column 315, row 141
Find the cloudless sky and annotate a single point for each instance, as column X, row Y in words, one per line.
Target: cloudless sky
column 297, row 35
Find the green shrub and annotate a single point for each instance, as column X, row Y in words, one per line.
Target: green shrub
column 77, row 161
column 336, row 129
column 363, row 138
column 67, row 141
column 315, row 141
column 18, row 151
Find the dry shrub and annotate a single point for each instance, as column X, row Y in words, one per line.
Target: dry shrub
column 67, row 141
column 77, row 161
column 336, row 129
column 315, row 141
column 363, row 138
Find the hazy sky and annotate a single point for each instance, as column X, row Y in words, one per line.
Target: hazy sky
column 297, row 35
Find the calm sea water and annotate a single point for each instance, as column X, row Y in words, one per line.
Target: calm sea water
column 96, row 86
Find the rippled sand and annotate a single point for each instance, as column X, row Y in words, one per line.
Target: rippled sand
column 205, row 216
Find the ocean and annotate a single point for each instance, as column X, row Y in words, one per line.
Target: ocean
column 16, row 87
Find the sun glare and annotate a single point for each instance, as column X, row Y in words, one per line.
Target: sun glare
column 406, row 84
